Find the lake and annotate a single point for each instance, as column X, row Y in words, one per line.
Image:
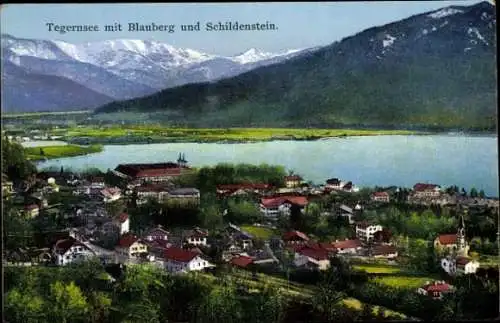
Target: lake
column 466, row 161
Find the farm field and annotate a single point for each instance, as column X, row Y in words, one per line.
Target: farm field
column 401, row 281
column 60, row 151
column 378, row 268
column 164, row 134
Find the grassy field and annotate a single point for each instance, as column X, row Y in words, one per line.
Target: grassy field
column 228, row 134
column 407, row 282
column 259, row 232
column 51, row 152
column 378, row 269
column 489, row 261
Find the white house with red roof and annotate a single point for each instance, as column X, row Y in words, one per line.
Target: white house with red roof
column 380, row 197
column 176, row 260
column 318, row 257
column 130, row 247
column 273, row 206
column 348, row 246
column 421, row 190
column 70, row 250
column 436, row 289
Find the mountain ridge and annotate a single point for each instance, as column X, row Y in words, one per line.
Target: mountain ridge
column 432, row 69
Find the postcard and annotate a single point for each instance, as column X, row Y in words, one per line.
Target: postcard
column 259, row 162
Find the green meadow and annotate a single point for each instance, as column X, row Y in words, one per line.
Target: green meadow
column 52, row 152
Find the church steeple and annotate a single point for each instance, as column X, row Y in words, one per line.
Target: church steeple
column 461, row 239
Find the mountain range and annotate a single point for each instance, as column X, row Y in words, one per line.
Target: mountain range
column 433, row 70
column 92, row 74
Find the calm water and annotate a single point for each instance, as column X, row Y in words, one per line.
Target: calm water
column 466, row 161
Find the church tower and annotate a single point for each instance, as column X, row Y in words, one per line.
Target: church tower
column 462, row 247
column 181, row 161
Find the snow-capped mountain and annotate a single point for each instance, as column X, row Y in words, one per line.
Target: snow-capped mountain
column 128, row 68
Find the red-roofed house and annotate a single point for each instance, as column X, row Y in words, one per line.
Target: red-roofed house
column 241, row 261
column 347, row 246
column 70, row 250
column 292, row 181
column 180, row 260
column 426, row 190
column 295, row 237
column 130, row 247
column 384, row 251
column 320, row 258
column 159, row 172
column 450, row 242
column 272, row 206
column 435, row 289
column 380, row 197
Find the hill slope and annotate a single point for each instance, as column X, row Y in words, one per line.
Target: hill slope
column 22, row 89
column 437, row 69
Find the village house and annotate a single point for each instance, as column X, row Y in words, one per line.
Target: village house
column 345, row 212
column 70, row 250
column 104, row 255
column 451, row 243
column 242, row 189
column 195, row 237
column 435, row 290
column 383, row 251
column 421, row 190
column 32, row 210
column 111, row 194
column 459, row 265
column 156, row 192
column 177, row 260
column 97, row 182
column 157, row 233
column 365, row 231
column 184, row 196
column 346, row 247
column 295, row 238
column 241, row 261
column 308, row 257
column 380, row 197
column 292, row 181
column 122, row 223
column 130, row 248
column 349, row 187
column 334, row 184
column 274, row 206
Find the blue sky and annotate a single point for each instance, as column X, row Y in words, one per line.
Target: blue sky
column 299, row 24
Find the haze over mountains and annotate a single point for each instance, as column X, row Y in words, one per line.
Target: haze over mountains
column 89, row 75
column 436, row 69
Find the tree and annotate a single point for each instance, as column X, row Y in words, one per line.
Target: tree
column 327, row 302
column 42, row 153
column 220, row 305
column 66, row 303
column 473, row 192
column 481, row 194
column 24, row 306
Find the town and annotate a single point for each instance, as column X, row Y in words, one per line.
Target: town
column 253, row 222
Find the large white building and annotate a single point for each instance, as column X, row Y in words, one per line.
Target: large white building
column 366, row 231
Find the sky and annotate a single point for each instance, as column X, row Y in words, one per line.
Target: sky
column 300, row 24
